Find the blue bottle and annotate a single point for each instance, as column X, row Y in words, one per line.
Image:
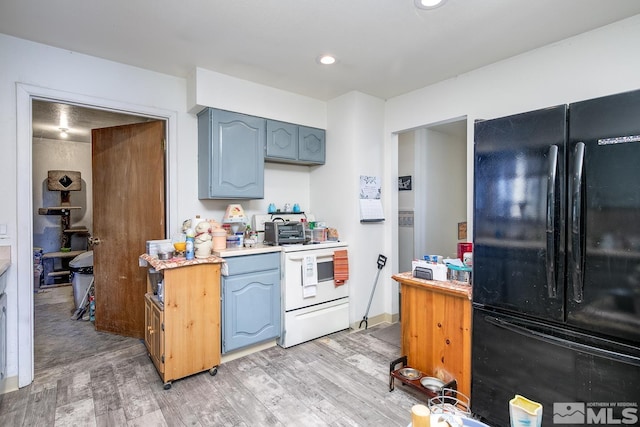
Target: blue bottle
column 189, row 250
column 189, row 254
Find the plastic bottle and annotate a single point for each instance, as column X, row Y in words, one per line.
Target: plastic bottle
column 92, row 308
column 189, row 253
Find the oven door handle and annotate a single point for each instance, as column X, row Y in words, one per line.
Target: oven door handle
column 325, row 254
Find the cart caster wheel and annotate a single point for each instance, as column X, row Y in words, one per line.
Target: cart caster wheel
column 167, row 386
column 213, row 371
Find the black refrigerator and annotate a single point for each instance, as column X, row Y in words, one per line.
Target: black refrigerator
column 556, row 275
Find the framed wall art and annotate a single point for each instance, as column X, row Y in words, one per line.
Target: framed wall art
column 404, row 183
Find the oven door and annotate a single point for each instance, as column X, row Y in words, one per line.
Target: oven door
column 326, row 289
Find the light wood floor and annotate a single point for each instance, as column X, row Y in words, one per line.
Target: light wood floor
column 85, row 378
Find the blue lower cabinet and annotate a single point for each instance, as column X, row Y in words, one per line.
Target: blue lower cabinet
column 251, row 308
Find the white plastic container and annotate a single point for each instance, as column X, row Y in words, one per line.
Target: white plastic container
column 233, row 241
column 524, row 412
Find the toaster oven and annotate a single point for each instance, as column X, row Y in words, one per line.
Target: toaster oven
column 279, row 233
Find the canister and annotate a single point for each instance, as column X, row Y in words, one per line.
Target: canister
column 219, row 239
column 319, row 235
column 459, row 273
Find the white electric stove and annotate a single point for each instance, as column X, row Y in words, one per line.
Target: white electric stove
column 313, row 305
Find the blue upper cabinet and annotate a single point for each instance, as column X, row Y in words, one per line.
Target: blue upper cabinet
column 230, row 155
column 311, row 145
column 282, row 141
column 290, row 143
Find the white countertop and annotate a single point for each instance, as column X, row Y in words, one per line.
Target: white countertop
column 257, row 249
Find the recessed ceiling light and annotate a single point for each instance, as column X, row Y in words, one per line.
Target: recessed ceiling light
column 428, row 4
column 326, row 59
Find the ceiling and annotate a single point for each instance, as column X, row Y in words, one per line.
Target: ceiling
column 50, row 118
column 384, row 48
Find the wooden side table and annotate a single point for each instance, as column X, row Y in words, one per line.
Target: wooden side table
column 436, row 328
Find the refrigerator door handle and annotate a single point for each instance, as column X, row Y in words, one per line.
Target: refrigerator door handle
column 576, row 221
column 563, row 342
column 551, row 216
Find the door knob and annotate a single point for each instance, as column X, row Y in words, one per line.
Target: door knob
column 93, row 241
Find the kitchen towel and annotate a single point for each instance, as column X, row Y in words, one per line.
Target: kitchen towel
column 309, row 276
column 340, row 267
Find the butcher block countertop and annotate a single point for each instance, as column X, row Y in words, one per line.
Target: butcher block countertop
column 460, row 289
column 179, row 261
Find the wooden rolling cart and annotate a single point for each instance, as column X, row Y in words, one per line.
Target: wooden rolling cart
column 182, row 332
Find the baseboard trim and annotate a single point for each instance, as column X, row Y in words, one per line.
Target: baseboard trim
column 376, row 320
column 9, row 384
column 228, row 357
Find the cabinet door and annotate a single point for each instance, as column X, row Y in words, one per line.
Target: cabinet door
column 153, row 336
column 148, row 328
column 157, row 337
column 251, row 309
column 311, row 145
column 230, row 155
column 282, row 141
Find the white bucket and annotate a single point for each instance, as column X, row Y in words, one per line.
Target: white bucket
column 524, row 412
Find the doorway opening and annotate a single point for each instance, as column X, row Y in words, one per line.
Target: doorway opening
column 433, row 160
column 61, row 143
column 25, row 93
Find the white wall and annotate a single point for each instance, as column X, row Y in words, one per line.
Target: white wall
column 49, row 155
column 211, row 89
column 406, row 199
column 437, row 162
column 354, row 127
column 444, row 189
column 407, row 167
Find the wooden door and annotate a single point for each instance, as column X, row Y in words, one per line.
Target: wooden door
column 128, row 166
